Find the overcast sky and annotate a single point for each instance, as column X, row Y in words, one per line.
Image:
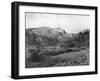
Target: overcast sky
column 70, row 23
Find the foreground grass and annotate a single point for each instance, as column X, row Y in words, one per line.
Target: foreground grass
column 77, row 58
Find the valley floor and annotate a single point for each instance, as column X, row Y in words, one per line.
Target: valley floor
column 75, row 58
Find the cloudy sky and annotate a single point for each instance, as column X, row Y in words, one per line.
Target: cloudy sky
column 69, row 22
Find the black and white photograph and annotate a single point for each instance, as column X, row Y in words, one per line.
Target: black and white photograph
column 50, row 40
column 56, row 40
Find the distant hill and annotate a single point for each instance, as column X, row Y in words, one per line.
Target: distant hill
column 46, row 36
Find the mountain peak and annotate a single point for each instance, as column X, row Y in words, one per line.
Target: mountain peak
column 50, row 32
column 46, row 35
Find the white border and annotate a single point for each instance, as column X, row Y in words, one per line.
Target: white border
column 53, row 70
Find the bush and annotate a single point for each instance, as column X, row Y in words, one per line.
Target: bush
column 37, row 56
